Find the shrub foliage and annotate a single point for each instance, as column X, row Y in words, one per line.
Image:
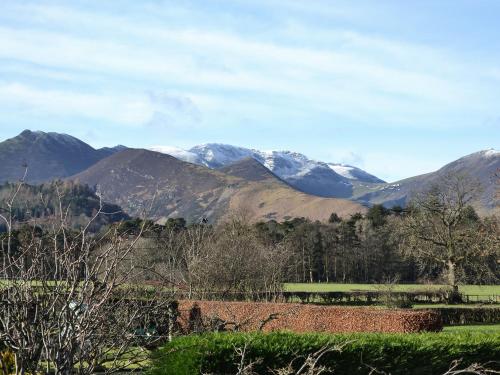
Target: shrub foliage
column 391, row 353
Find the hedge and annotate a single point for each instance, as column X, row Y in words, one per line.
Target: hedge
column 393, row 353
column 254, row 316
column 467, row 315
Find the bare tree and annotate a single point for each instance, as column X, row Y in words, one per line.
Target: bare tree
column 207, row 261
column 442, row 228
column 309, row 364
column 66, row 298
column 473, row 369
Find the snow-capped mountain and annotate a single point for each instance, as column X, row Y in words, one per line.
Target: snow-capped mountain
column 310, row 176
column 354, row 173
column 178, row 153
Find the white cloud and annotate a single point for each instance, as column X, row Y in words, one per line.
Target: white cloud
column 132, row 110
column 172, row 110
column 362, row 77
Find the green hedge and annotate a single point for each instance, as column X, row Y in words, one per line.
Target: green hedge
column 393, row 353
column 466, row 315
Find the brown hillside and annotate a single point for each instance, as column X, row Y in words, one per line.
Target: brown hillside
column 160, row 186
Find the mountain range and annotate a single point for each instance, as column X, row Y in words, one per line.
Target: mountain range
column 309, row 176
column 212, row 180
column 151, row 184
column 346, row 181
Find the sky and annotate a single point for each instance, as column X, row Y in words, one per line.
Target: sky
column 397, row 88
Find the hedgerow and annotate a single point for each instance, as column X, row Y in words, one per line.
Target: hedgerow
column 456, row 315
column 392, row 353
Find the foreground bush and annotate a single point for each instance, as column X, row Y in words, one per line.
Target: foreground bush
column 393, row 353
column 7, row 362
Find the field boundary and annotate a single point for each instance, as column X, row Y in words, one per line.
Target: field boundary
column 268, row 317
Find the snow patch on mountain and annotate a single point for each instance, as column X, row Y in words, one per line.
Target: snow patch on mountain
column 177, row 152
column 353, row 173
column 343, row 170
column 304, row 174
column 491, row 152
column 214, row 155
column 285, row 164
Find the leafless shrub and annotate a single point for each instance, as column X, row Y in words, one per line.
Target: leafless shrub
column 66, row 299
column 224, row 261
column 455, row 369
column 474, row 369
column 443, row 229
column 301, row 365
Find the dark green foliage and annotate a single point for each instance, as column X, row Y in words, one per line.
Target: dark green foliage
column 397, row 210
column 345, row 250
column 175, row 224
column 465, row 316
column 470, row 216
column 355, row 218
column 377, row 215
column 393, row 353
column 370, row 248
column 136, row 225
column 334, row 218
column 42, row 203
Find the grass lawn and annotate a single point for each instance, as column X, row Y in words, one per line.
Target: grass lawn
column 493, row 328
column 334, row 287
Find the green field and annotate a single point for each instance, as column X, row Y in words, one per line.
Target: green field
column 493, row 328
column 334, row 287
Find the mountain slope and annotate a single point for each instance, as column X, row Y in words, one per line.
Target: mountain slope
column 480, row 167
column 249, row 169
column 355, row 174
column 161, row 186
column 304, row 174
column 47, row 156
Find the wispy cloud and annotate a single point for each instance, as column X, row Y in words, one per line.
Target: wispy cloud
column 132, row 110
column 359, row 76
column 169, row 109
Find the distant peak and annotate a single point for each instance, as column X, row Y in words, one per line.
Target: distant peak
column 119, row 147
column 490, row 152
column 29, row 133
column 216, row 146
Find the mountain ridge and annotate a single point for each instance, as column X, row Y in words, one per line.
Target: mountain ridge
column 479, row 167
column 51, row 156
column 304, row 174
column 134, row 178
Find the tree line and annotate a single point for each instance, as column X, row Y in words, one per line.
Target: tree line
column 438, row 238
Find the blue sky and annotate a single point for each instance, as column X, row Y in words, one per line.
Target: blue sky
column 395, row 87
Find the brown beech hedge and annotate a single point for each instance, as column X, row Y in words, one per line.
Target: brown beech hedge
column 268, row 317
